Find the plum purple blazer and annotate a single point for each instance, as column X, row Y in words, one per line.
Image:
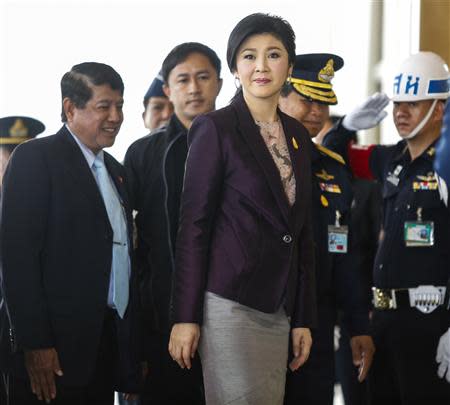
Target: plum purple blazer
column 238, row 236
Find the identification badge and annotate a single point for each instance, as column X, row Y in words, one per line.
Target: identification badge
column 337, row 239
column 419, row 233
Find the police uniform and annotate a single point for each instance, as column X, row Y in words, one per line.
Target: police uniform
column 412, row 265
column 415, row 251
column 13, row 131
column 338, row 283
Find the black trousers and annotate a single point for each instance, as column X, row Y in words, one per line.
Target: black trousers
column 354, row 392
column 167, row 383
column 404, row 367
column 99, row 391
column 4, row 385
column 313, row 383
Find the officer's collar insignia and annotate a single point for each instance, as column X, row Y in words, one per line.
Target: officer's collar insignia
column 326, row 74
column 18, row 129
column 324, row 175
column 431, row 151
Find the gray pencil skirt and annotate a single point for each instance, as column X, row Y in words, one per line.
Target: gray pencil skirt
column 243, row 352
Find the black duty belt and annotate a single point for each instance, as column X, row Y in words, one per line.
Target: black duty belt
column 426, row 298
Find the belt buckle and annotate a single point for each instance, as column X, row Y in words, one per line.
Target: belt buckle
column 384, row 299
column 426, row 298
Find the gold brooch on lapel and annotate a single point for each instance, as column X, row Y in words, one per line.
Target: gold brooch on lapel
column 324, row 201
column 294, row 142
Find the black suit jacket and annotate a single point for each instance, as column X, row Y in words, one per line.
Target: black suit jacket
column 56, row 253
column 238, row 236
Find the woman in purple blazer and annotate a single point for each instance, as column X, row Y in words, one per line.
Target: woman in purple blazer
column 244, row 262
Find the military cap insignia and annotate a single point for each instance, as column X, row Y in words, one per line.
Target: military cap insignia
column 326, row 74
column 324, row 175
column 18, row 129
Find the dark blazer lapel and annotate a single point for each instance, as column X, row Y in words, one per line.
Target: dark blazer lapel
column 75, row 163
column 250, row 132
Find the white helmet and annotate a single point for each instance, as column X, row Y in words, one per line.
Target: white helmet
column 422, row 76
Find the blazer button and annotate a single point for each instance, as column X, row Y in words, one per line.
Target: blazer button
column 287, row 238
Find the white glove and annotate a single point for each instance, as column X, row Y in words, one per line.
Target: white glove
column 443, row 356
column 368, row 114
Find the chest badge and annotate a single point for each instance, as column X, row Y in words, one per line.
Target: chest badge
column 330, row 188
column 425, row 185
column 324, row 175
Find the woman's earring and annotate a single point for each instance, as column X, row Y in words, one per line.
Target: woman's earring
column 237, row 82
column 288, row 80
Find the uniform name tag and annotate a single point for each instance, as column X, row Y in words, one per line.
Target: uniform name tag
column 419, row 233
column 337, row 239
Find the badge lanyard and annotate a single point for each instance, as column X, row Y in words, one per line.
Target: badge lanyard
column 337, row 236
column 419, row 233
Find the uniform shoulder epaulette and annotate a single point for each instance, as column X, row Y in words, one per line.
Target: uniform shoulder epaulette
column 331, row 154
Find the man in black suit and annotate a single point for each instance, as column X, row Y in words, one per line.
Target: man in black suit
column 191, row 74
column 65, row 240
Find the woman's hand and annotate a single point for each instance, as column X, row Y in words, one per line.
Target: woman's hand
column 301, row 346
column 184, row 342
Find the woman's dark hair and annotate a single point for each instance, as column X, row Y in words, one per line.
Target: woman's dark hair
column 77, row 84
column 260, row 23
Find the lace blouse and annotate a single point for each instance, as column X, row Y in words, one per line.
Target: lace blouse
column 275, row 140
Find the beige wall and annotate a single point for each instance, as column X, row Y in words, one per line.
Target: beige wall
column 435, row 27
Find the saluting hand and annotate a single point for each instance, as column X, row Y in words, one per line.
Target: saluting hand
column 301, row 346
column 42, row 365
column 363, row 350
column 183, row 343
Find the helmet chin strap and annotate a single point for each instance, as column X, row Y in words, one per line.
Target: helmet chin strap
column 419, row 127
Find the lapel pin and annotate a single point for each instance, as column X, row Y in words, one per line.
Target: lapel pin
column 294, row 142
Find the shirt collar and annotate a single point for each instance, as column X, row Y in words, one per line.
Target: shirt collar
column 87, row 153
column 403, row 153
